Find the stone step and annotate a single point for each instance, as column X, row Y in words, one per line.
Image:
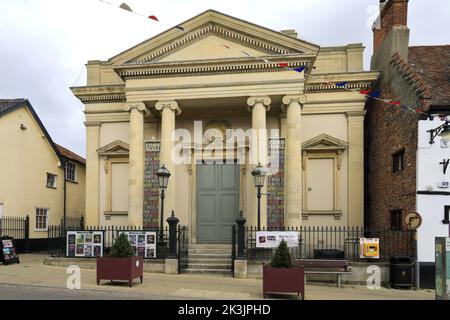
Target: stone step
column 209, row 256
column 209, row 266
column 208, row 271
column 209, row 261
column 221, row 251
column 210, row 246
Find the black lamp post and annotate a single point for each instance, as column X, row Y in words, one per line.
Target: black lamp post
column 259, row 176
column 163, row 176
column 442, row 130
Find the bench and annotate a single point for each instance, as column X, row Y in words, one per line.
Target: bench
column 338, row 267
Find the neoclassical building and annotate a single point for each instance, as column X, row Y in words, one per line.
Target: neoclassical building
column 174, row 100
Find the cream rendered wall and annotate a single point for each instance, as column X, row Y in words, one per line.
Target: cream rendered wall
column 76, row 193
column 23, row 171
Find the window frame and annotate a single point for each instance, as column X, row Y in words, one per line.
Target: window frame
column 47, row 215
column 54, row 186
column 398, row 213
column 398, row 161
column 446, row 215
column 74, row 171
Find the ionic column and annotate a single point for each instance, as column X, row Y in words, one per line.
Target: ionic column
column 293, row 174
column 136, row 165
column 259, row 148
column 92, row 173
column 168, row 109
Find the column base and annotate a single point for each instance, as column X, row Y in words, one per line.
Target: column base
column 171, row 266
column 240, row 269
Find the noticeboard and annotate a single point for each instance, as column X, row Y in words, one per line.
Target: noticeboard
column 8, row 252
column 143, row 242
column 84, row 244
column 442, row 255
column 272, row 239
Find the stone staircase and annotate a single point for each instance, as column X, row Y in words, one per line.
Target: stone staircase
column 209, row 259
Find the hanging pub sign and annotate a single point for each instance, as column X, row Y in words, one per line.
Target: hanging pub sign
column 272, row 239
column 8, row 253
column 143, row 243
column 84, row 244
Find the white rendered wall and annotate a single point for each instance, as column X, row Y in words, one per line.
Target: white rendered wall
column 429, row 174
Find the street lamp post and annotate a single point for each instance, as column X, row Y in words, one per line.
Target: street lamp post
column 163, row 177
column 259, row 175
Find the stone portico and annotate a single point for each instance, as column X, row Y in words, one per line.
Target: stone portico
column 136, row 100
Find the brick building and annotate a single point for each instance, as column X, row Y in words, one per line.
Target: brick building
column 419, row 78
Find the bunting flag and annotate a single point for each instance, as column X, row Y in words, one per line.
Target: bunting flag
column 126, row 7
column 375, row 94
column 368, row 93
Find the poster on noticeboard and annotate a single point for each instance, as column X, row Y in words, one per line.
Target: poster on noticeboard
column 143, row 243
column 84, row 244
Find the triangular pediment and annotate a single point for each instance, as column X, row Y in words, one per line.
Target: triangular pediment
column 115, row 148
column 324, row 142
column 207, row 36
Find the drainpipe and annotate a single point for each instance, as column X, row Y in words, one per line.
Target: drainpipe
column 65, row 193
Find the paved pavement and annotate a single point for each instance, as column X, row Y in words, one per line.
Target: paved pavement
column 33, row 280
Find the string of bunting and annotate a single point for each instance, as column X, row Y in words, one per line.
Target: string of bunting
column 368, row 93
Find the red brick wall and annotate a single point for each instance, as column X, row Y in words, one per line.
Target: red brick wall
column 389, row 129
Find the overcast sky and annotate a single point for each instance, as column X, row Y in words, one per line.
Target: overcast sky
column 44, row 44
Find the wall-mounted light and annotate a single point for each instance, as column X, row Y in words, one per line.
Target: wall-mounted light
column 442, row 131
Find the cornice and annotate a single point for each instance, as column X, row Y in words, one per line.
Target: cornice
column 100, row 94
column 209, row 67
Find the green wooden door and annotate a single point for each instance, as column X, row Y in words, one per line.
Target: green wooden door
column 217, row 201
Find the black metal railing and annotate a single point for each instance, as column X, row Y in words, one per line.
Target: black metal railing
column 183, row 247
column 335, row 243
column 17, row 228
column 73, row 222
column 233, row 247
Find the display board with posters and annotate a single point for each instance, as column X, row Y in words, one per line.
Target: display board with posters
column 272, row 239
column 442, row 268
column 84, row 244
column 8, row 253
column 143, row 243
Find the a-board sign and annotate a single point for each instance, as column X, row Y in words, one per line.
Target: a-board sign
column 143, row 242
column 272, row 239
column 8, row 253
column 84, row 244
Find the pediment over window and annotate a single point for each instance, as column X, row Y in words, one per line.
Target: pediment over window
column 324, row 142
column 116, row 148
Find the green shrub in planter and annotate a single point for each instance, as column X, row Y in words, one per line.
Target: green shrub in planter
column 282, row 257
column 122, row 248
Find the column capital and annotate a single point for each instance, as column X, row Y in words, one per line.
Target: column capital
column 171, row 104
column 264, row 100
column 140, row 106
column 301, row 99
column 359, row 113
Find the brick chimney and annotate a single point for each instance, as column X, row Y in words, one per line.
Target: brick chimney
column 393, row 13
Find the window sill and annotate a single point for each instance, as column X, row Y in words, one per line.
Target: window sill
column 72, row 181
column 49, row 187
column 336, row 213
column 40, row 230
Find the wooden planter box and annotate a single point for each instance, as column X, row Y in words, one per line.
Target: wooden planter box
column 122, row 269
column 283, row 281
